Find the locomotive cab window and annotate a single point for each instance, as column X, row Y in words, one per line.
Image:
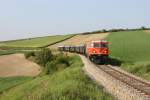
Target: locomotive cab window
column 104, row 45
column 100, row 45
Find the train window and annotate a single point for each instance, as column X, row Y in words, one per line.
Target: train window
column 97, row 45
column 104, row 45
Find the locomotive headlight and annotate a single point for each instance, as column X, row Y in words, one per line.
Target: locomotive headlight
column 94, row 51
column 105, row 51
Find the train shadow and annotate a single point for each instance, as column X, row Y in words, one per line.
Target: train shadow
column 110, row 61
column 114, row 62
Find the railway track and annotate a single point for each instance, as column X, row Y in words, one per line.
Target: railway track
column 140, row 86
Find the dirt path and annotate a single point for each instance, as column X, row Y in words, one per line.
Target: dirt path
column 17, row 65
column 81, row 39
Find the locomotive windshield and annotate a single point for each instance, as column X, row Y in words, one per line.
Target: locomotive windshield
column 100, row 45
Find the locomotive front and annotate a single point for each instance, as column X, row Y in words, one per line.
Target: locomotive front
column 98, row 51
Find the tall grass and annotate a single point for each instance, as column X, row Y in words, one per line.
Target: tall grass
column 141, row 69
column 68, row 84
column 7, row 83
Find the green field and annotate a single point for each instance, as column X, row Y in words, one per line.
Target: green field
column 133, row 49
column 12, row 51
column 35, row 42
column 68, row 84
column 7, row 83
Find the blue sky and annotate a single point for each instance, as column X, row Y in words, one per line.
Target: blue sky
column 31, row 18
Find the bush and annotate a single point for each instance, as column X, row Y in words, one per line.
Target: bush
column 43, row 56
column 29, row 54
column 50, row 67
column 63, row 59
column 59, row 62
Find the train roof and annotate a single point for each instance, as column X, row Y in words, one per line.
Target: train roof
column 100, row 41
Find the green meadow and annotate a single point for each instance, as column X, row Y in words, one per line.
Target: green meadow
column 133, row 49
column 9, row 82
column 35, row 42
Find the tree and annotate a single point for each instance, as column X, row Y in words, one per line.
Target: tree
column 143, row 28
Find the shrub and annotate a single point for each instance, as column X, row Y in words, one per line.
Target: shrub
column 63, row 59
column 43, row 56
column 29, row 54
column 59, row 62
column 50, row 67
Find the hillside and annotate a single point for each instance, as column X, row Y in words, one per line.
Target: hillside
column 32, row 44
column 129, row 47
column 81, row 39
column 68, row 84
column 35, row 42
column 132, row 49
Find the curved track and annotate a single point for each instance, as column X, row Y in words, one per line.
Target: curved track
column 140, row 86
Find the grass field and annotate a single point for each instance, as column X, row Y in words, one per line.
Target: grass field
column 6, row 52
column 133, row 49
column 7, row 83
column 68, row 84
column 35, row 42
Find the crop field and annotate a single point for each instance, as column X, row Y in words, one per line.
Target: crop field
column 133, row 49
column 4, row 52
column 147, row 31
column 35, row 42
column 130, row 46
column 80, row 39
column 17, row 65
column 68, row 84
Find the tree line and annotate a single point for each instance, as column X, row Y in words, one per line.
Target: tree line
column 115, row 30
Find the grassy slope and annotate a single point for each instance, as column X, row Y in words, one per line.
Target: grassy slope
column 35, row 42
column 133, row 49
column 6, row 52
column 7, row 83
column 69, row 84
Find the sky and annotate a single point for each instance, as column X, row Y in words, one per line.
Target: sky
column 33, row 18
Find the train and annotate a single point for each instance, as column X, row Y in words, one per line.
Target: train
column 96, row 51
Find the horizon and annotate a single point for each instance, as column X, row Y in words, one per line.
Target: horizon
column 32, row 18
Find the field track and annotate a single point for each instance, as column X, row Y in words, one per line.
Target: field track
column 139, row 85
column 17, row 65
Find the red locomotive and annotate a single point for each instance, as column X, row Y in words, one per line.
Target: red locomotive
column 96, row 51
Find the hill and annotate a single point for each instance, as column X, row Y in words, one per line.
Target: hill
column 81, row 39
column 67, row 84
column 35, row 42
column 132, row 49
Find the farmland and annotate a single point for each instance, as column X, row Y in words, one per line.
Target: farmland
column 132, row 48
column 81, row 39
column 74, row 84
column 35, row 42
column 129, row 47
column 68, row 84
column 17, row 65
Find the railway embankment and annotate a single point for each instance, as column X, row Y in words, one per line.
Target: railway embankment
column 117, row 88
